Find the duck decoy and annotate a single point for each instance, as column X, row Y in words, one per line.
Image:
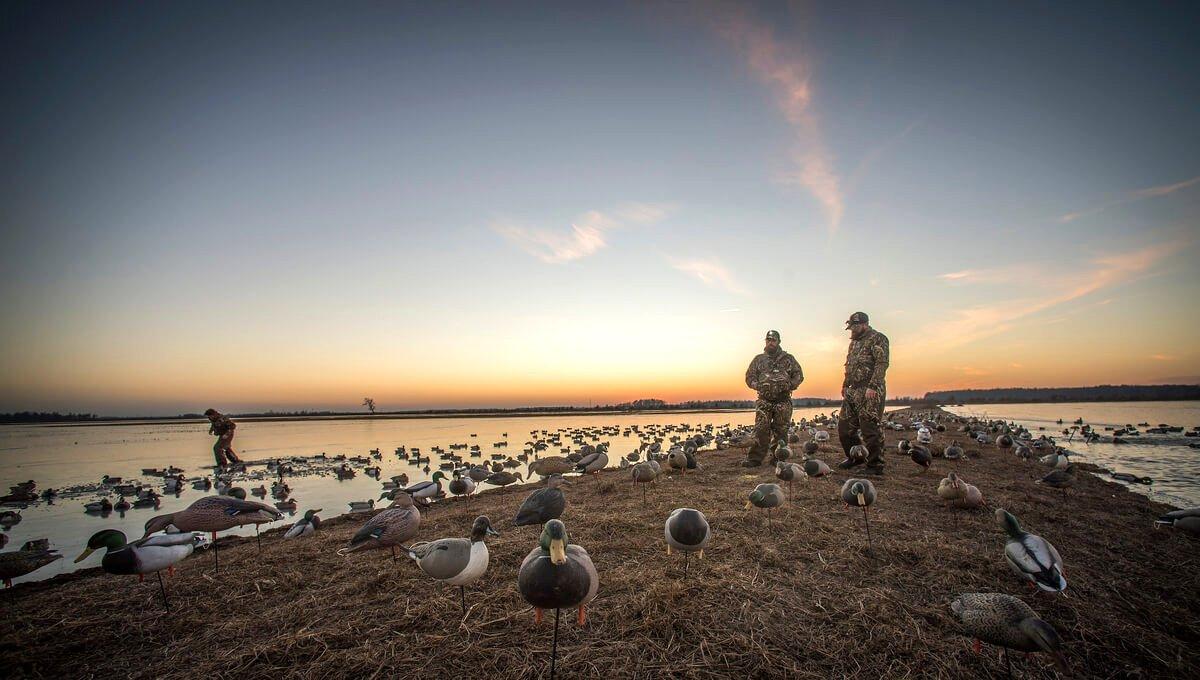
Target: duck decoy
column 504, row 478
column 860, row 493
column 1188, row 520
column 456, row 561
column 102, row 505
column 1008, row 622
column 428, row 489
column 1031, row 557
column 951, row 488
column 970, row 498
column 814, row 467
column 306, row 525
column 789, row 472
column 121, row 505
column 461, row 485
column 390, row 528
column 921, row 456
column 687, row 531
column 767, row 496
column 145, row 556
column 288, row 505
column 1060, row 479
column 677, row 460
column 362, row 506
column 810, row 447
column 953, row 452
column 543, row 505
column 594, row 462
column 212, row 514
column 555, row 575
column 32, row 556
column 643, row 474
column 550, row 465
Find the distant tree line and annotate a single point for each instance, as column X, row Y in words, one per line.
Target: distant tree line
column 43, row 417
column 1066, row 394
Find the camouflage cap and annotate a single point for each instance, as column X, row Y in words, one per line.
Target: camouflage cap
column 857, row 317
column 773, row 335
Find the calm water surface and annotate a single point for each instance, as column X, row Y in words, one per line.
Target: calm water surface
column 1165, row 458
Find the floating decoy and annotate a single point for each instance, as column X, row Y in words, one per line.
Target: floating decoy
column 789, row 472
column 213, row 514
column 390, row 528
column 456, row 561
column 687, row 531
column 1031, row 557
column 860, row 493
column 362, row 506
column 767, row 497
column 288, row 505
column 1005, row 621
column 146, row 556
column 555, row 575
column 814, row 467
column 102, row 505
column 1188, row 520
column 121, row 505
column 306, row 525
column 543, row 505
column 32, row 556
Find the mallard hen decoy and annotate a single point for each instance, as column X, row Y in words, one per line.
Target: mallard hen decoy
column 32, row 556
column 1005, row 621
column 212, row 514
column 543, row 505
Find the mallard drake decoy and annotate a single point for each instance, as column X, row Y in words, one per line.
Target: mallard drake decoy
column 32, row 556
column 1187, row 520
column 921, row 456
column 767, row 497
column 1031, row 557
column 558, row 574
column 789, row 472
column 431, row 488
column 212, row 514
column 1004, row 620
column 593, row 462
column 390, row 528
column 543, row 505
column 860, row 493
column 781, row 451
column 146, row 556
column 504, row 478
column 362, row 506
column 814, row 467
column 456, row 561
column 687, row 531
column 461, row 485
column 306, row 525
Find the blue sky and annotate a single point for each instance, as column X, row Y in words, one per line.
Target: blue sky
column 282, row 205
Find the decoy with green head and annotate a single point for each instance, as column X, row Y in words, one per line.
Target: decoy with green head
column 147, row 556
column 767, row 497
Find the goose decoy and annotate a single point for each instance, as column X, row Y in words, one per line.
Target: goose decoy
column 555, row 575
column 789, row 472
column 306, row 525
column 456, row 561
column 461, row 485
column 504, row 478
column 1031, row 557
column 543, row 505
column 814, row 467
column 424, row 491
column 687, row 531
column 594, row 462
column 767, row 496
column 1005, row 621
column 32, row 556
column 1188, row 520
column 212, row 514
column 146, row 556
column 921, row 456
column 390, row 528
column 860, row 493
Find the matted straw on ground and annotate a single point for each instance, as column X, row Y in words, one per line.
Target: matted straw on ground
column 802, row 600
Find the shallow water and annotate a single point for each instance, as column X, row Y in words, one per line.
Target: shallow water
column 66, row 456
column 1165, row 458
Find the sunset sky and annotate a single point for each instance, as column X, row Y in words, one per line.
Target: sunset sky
column 267, row 206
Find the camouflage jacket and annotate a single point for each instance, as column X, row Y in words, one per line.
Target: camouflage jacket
column 867, row 362
column 222, row 426
column 774, row 377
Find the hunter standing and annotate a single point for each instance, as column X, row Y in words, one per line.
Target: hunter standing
column 863, row 393
column 223, row 427
column 773, row 374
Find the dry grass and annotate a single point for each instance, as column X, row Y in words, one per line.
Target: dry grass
column 804, row 600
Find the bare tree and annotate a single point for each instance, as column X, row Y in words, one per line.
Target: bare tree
column 370, row 404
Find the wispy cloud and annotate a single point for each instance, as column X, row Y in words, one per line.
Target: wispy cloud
column 1130, row 197
column 787, row 73
column 711, row 272
column 1162, row 357
column 975, row 323
column 586, row 236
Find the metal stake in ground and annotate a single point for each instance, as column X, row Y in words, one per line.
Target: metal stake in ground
column 163, row 589
column 554, row 645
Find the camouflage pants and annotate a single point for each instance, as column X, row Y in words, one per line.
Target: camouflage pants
column 223, row 448
column 770, row 418
column 862, row 414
